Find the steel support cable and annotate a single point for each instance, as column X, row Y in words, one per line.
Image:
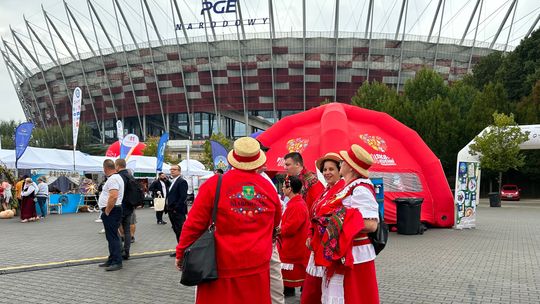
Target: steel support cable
column 419, row 17
column 531, row 12
column 456, row 14
column 361, row 13
column 386, row 16
column 190, row 10
column 489, row 17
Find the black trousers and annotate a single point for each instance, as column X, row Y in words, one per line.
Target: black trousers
column 159, row 216
column 126, row 223
column 111, row 223
column 177, row 221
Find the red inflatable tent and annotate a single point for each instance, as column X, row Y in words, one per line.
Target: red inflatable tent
column 114, row 149
column 406, row 164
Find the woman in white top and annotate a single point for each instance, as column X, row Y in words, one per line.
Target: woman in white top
column 342, row 245
column 41, row 196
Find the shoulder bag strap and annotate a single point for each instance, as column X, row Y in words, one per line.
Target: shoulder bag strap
column 216, row 199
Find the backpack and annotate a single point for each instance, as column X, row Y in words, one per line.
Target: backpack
column 379, row 237
column 133, row 193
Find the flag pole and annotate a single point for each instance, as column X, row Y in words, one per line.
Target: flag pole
column 76, row 116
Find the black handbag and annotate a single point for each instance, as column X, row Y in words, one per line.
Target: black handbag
column 199, row 264
column 379, row 238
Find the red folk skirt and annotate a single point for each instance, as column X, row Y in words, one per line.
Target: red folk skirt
column 294, row 277
column 28, row 207
column 360, row 284
column 311, row 292
column 249, row 289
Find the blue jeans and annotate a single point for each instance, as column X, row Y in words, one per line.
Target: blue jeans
column 42, row 206
column 111, row 223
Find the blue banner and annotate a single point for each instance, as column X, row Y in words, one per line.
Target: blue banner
column 219, row 156
column 161, row 151
column 123, row 150
column 22, row 137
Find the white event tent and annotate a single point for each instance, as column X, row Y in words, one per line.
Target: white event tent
column 193, row 167
column 55, row 159
column 42, row 158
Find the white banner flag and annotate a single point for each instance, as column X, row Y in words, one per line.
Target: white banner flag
column 76, row 110
column 120, row 131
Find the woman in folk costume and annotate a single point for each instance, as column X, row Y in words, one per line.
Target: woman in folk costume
column 28, row 206
column 340, row 242
column 294, row 230
column 329, row 166
column 248, row 212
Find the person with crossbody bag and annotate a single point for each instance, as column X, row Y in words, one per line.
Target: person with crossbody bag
column 248, row 210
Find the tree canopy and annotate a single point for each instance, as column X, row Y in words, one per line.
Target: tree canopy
column 498, row 147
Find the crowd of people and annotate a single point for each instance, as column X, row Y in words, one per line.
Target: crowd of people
column 320, row 232
column 30, row 197
column 307, row 236
column 117, row 207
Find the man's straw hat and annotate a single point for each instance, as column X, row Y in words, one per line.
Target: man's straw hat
column 246, row 154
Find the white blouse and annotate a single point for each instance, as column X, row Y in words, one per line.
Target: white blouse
column 363, row 200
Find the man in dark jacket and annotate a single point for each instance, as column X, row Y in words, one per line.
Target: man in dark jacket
column 160, row 187
column 176, row 205
column 127, row 208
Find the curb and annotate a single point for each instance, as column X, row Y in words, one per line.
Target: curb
column 79, row 262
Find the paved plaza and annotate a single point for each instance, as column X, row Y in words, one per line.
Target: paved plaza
column 498, row 262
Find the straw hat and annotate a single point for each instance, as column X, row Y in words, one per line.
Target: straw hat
column 246, row 154
column 358, row 158
column 328, row 156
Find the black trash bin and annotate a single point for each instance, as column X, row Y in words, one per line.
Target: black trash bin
column 408, row 215
column 494, row 199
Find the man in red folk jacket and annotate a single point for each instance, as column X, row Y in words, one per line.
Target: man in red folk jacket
column 248, row 212
column 293, row 252
column 311, row 186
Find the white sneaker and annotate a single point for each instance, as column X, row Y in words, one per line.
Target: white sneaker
column 102, row 230
column 98, row 220
column 151, row 207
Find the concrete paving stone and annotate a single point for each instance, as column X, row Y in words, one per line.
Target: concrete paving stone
column 497, row 262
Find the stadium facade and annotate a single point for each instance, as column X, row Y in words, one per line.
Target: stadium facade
column 231, row 83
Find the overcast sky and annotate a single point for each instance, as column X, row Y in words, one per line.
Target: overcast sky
column 287, row 14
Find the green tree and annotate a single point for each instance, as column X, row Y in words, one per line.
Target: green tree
column 437, row 122
column 462, row 95
column 207, row 155
column 498, row 146
column 528, row 109
column 485, row 71
column 7, row 130
column 61, row 138
column 401, row 109
column 521, row 68
column 426, row 86
column 373, row 95
column 491, row 99
column 152, row 143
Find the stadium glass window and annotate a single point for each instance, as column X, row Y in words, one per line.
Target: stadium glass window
column 239, row 129
column 284, row 113
column 267, row 115
column 399, row 181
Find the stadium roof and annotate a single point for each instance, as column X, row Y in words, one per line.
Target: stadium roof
column 61, row 31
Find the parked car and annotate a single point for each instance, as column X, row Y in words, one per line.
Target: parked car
column 510, row 193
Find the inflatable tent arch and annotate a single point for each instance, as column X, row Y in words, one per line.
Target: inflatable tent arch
column 468, row 173
column 406, row 164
